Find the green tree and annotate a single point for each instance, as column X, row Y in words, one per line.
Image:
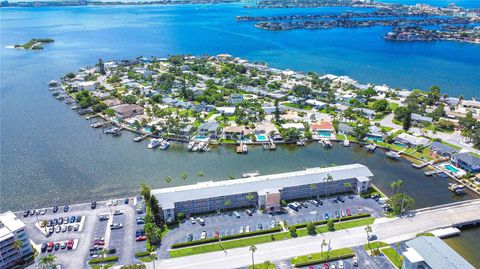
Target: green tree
column 47, row 261
column 360, row 132
column 323, row 244
column 380, row 105
column 145, row 191
column 395, row 185
column 368, row 230
column 407, row 121
column 227, row 203
column 347, row 185
column 400, row 202
column 252, row 249
column 293, row 231
column 168, row 179
column 154, row 205
column 184, row 176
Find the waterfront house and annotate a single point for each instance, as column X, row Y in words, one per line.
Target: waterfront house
column 467, row 161
column 235, row 132
column 432, row 252
column 411, row 140
column 421, row 118
column 438, row 149
column 323, row 129
column 344, row 128
column 209, row 129
column 375, row 134
column 236, row 99
column 381, row 89
column 127, row 110
column 186, row 132
column 298, row 126
column 471, row 104
column 266, row 128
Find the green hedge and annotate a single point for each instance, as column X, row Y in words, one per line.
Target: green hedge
column 323, row 222
column 101, row 260
column 224, row 238
column 142, row 254
column 321, row 260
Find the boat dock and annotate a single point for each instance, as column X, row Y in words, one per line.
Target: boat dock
column 421, row 165
column 141, row 137
column 432, row 172
column 446, row 232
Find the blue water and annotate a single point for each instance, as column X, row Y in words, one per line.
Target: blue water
column 261, row 138
column 50, row 153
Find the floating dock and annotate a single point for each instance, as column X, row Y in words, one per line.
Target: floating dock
column 446, row 232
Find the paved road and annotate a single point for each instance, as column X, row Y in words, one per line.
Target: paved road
column 387, row 230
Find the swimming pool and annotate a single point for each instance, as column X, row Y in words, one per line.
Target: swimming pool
column 451, row 168
column 200, row 138
column 147, row 129
column 374, row 138
column 261, row 138
column 324, row 133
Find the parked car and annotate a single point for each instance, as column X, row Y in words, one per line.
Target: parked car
column 78, row 219
column 50, row 246
column 65, row 220
column 141, row 238
column 203, row 235
column 126, row 201
column 333, row 266
column 64, row 229
column 248, row 212
column 117, row 212
column 104, row 217
column 55, row 208
column 109, row 202
column 139, row 232
column 201, row 221
column 340, row 264
column 115, row 202
column 58, row 229
column 69, row 228
column 70, row 244
column 360, row 210
column 355, row 261
column 55, row 222
column 341, row 199
column 216, row 234
column 273, row 224
column 32, row 212
column 43, row 211
column 72, row 219
column 26, row 213
column 236, row 214
column 314, row 202
column 326, row 217
column 37, row 211
column 293, row 206
column 56, row 246
column 112, row 251
column 76, row 227
column 337, row 214
column 192, row 220
column 325, row 265
column 247, row 228
column 241, row 230
column 260, row 227
column 342, row 213
column 140, row 221
column 349, row 212
column 115, row 226
column 189, row 237
column 372, row 237
column 63, row 245
column 44, row 247
column 93, row 205
column 65, row 208
column 304, row 204
column 50, row 230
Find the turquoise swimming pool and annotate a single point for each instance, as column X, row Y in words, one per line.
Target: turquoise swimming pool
column 147, row 129
column 374, row 138
column 324, row 133
column 200, row 138
column 451, row 168
column 261, row 138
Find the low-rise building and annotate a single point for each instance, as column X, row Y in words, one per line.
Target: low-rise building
column 430, row 252
column 438, row 149
column 467, row 161
column 236, row 99
column 264, row 192
column 235, row 132
column 421, row 118
column 210, row 130
column 323, row 129
column 127, row 110
column 12, row 230
column 88, row 85
column 369, row 113
column 411, row 140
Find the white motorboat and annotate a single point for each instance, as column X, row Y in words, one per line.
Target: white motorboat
column 154, row 142
column 392, row 154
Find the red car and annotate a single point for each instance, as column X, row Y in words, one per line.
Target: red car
column 325, row 265
column 216, row 234
column 50, row 246
column 349, row 212
column 70, row 244
column 141, row 238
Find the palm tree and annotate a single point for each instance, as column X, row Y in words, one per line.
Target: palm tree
column 328, row 178
column 347, row 185
column 368, row 230
column 227, row 203
column 47, row 261
column 396, row 185
column 253, row 248
column 17, row 245
column 184, row 176
column 324, row 243
column 102, row 254
column 168, row 179
column 312, row 187
column 153, row 257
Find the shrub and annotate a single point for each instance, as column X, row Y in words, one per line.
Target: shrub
column 293, row 231
column 330, row 225
column 181, row 216
column 101, row 260
column 142, row 254
column 311, row 228
column 322, row 222
column 134, row 266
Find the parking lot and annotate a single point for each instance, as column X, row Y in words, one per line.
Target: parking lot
column 227, row 224
column 90, row 228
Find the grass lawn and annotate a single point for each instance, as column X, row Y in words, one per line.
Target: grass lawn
column 425, row 234
column 264, row 238
column 103, row 266
column 322, row 256
column 450, row 145
column 265, row 265
column 393, row 256
column 376, row 244
column 372, row 190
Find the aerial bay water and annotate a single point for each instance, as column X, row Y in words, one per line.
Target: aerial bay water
column 48, row 153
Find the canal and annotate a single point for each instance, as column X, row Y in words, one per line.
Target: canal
column 467, row 244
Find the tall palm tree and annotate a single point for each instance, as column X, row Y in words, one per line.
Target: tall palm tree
column 328, row 178
column 324, row 244
column 184, row 176
column 253, row 248
column 102, row 254
column 168, row 179
column 395, row 185
column 227, row 203
column 347, row 185
column 47, row 261
column 17, row 245
column 368, row 230
column 153, row 257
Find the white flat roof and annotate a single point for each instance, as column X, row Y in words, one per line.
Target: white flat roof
column 10, row 224
column 168, row 196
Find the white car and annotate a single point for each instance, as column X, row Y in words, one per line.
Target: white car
column 355, row 261
column 109, row 203
column 115, row 202
column 241, row 230
column 247, row 229
column 203, row 235
column 273, row 224
column 192, row 220
column 201, row 221
column 340, row 264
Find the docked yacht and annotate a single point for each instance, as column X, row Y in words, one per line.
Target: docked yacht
column 456, row 188
column 371, row 147
column 154, row 142
column 346, row 143
column 190, row 145
column 392, row 154
column 165, row 144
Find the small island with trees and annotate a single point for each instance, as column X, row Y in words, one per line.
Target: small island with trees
column 34, row 44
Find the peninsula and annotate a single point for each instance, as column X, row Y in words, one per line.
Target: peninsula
column 34, row 44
